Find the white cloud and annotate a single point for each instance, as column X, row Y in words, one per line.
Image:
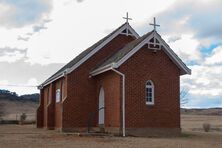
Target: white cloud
column 20, row 89
column 73, row 30
column 32, row 82
column 174, row 38
column 12, row 54
column 186, row 47
column 3, row 82
column 188, row 16
column 216, row 57
column 205, row 80
column 206, row 91
column 75, row 26
column 15, row 13
column 79, row 1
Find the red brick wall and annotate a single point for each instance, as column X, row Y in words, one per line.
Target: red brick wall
column 58, row 105
column 147, row 65
column 40, row 111
column 50, row 107
column 64, row 88
column 45, row 100
column 49, row 113
column 111, row 82
column 81, row 91
column 80, row 96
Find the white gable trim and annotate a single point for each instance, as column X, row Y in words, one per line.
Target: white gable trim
column 67, row 71
column 134, row 33
column 132, row 52
column 126, row 26
column 58, row 76
column 167, row 50
column 173, row 56
column 177, row 61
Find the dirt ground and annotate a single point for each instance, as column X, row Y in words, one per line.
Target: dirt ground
column 27, row 136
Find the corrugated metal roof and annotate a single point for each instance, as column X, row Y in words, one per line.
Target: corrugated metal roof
column 79, row 57
column 121, row 53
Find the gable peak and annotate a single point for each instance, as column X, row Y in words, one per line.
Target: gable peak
column 129, row 31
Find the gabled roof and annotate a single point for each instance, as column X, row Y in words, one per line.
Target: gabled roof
column 86, row 54
column 121, row 53
column 129, row 49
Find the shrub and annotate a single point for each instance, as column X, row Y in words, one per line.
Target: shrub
column 206, row 127
column 23, row 118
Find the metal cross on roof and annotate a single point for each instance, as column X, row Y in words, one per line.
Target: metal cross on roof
column 154, row 24
column 127, row 18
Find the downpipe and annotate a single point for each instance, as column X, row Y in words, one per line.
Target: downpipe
column 123, row 101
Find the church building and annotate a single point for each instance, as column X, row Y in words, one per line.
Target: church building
column 124, row 84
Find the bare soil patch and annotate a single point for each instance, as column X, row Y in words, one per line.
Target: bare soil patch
column 193, row 136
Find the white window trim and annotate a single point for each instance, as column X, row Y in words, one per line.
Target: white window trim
column 148, row 102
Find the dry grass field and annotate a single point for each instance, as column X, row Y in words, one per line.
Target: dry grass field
column 13, row 109
column 27, row 136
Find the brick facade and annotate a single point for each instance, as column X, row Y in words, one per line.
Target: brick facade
column 40, row 111
column 111, row 82
column 82, row 97
column 58, row 105
column 147, row 65
column 80, row 93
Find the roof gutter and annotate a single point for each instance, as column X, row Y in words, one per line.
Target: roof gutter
column 103, row 69
column 60, row 75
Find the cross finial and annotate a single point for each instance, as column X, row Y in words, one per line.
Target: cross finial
column 154, row 24
column 127, row 18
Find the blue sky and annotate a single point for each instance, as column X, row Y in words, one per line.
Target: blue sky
column 29, row 30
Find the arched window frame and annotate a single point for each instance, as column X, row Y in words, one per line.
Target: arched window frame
column 149, row 89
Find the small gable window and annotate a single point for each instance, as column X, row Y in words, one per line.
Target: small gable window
column 149, row 93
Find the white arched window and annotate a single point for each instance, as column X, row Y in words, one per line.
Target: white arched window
column 149, row 92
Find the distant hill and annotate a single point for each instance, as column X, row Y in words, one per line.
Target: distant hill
column 7, row 95
column 208, row 111
column 12, row 105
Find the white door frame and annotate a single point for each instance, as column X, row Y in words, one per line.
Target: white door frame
column 101, row 108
